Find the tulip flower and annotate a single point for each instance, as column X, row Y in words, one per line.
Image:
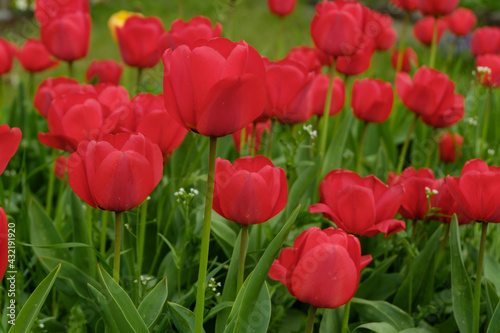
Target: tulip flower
column 9, row 142
column 382, row 31
column 253, row 142
column 408, row 5
column 446, row 117
column 34, row 56
column 424, row 29
column 450, row 147
column 318, row 93
column 310, row 57
column 322, row 268
column 281, row 7
column 7, row 52
column 104, row 71
column 52, row 87
column 46, row 10
column 360, row 206
column 485, row 40
column 433, row 7
column 4, row 243
column 461, row 21
column 117, row 20
column 446, row 205
column 61, row 166
column 188, row 33
column 410, row 59
column 488, row 70
column 372, row 100
column 357, row 63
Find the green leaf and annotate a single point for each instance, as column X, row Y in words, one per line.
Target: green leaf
column 217, row 309
column 123, row 310
column 460, row 284
column 33, row 305
column 376, row 327
column 332, row 320
column 372, row 284
column 103, row 307
column 152, row 305
column 334, row 154
column 301, row 184
column 494, row 325
column 83, row 258
column 224, row 235
column 381, row 311
column 183, row 318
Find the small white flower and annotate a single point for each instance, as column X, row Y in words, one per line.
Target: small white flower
column 483, row 70
column 491, row 152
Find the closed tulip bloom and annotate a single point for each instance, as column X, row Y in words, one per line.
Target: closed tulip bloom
column 450, row 147
column 318, row 95
column 337, row 27
column 4, row 243
column 116, row 173
column 408, row 5
column 461, row 21
column 249, row 191
column 10, row 138
column 410, row 59
column 46, row 10
column 430, row 91
column 310, row 57
column 259, row 131
column 446, row 204
column 104, row 71
column 322, row 268
column 34, row 57
column 138, row 41
column 356, row 64
column 360, row 206
column 216, row 88
column 7, row 52
column 446, row 117
column 281, row 7
column 415, row 205
column 488, row 70
column 117, row 20
column 372, row 100
column 188, row 33
column 382, row 31
column 67, row 37
column 485, row 40
column 424, row 29
column 476, row 191
column 433, row 7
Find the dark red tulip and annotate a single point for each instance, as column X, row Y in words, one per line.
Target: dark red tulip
column 310, row 57
column 216, row 88
column 485, row 40
column 9, row 142
column 476, row 191
column 408, row 5
column 104, row 71
column 318, row 95
column 417, row 184
column 410, row 59
column 249, row 191
column 34, row 56
column 424, row 29
column 488, row 70
column 4, row 243
column 372, row 100
column 446, row 204
column 188, row 33
column 322, row 268
column 446, row 117
column 46, row 10
column 360, row 206
column 461, row 21
column 67, row 37
column 431, row 91
column 281, row 7
column 7, row 52
column 433, row 7
column 450, row 147
column 138, row 40
column 259, row 131
column 382, row 31
column 116, row 173
column 357, row 63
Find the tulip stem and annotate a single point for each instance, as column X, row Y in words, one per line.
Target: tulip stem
column 431, row 149
column 205, row 238
column 402, row 42
column 434, row 43
column 71, row 69
column 31, row 84
column 253, row 139
column 104, row 228
column 243, row 251
column 139, row 80
column 270, row 139
column 345, row 320
column 142, row 234
column 118, row 243
column 50, row 188
column 485, row 122
column 479, row 275
column 405, row 145
column 360, row 149
column 326, row 112
column 311, row 315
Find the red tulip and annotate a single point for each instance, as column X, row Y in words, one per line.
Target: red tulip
column 7, row 52
column 187, row 33
column 410, row 59
column 281, row 7
column 446, row 204
column 488, row 70
column 357, row 63
column 60, row 166
column 461, row 21
column 446, row 117
column 53, row 87
column 430, row 92
column 112, row 98
column 310, row 57
column 382, row 31
column 318, row 95
column 485, row 40
column 372, row 100
column 216, row 88
column 361, row 206
column 4, row 243
column 67, row 37
column 450, row 147
column 408, row 5
column 476, row 191
column 337, row 28
column 259, row 131
column 9, row 142
column 415, row 205
column 424, row 29
column 433, row 7
column 250, row 191
column 116, row 173
column 46, row 10
column 322, row 268
column 34, row 56
column 138, row 40
column 104, row 71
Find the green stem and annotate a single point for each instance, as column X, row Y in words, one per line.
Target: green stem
column 479, row 276
column 71, row 71
column 205, row 239
column 243, row 251
column 31, row 84
column 431, row 149
column 311, row 315
column 142, row 234
column 104, row 229
column 361, row 144
column 118, row 243
column 345, row 320
column 326, row 112
column 402, row 42
column 281, row 38
column 486, row 119
column 179, row 9
column 443, row 245
column 270, row 139
column 139, row 80
column 50, row 188
column 434, row 43
column 253, row 139
column 406, row 144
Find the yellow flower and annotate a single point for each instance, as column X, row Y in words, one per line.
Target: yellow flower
column 117, row 20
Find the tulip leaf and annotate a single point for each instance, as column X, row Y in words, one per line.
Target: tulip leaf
column 492, row 270
column 494, row 325
column 183, row 318
column 152, row 305
column 371, row 286
column 332, row 320
column 301, row 184
column 376, row 327
column 124, row 312
column 224, row 235
column 334, row 154
column 491, row 298
column 29, row 312
column 381, row 311
column 104, row 310
column 460, row 284
column 217, row 309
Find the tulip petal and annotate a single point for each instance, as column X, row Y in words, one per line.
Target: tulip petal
column 356, row 207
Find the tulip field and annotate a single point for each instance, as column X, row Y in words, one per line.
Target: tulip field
column 233, row 166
